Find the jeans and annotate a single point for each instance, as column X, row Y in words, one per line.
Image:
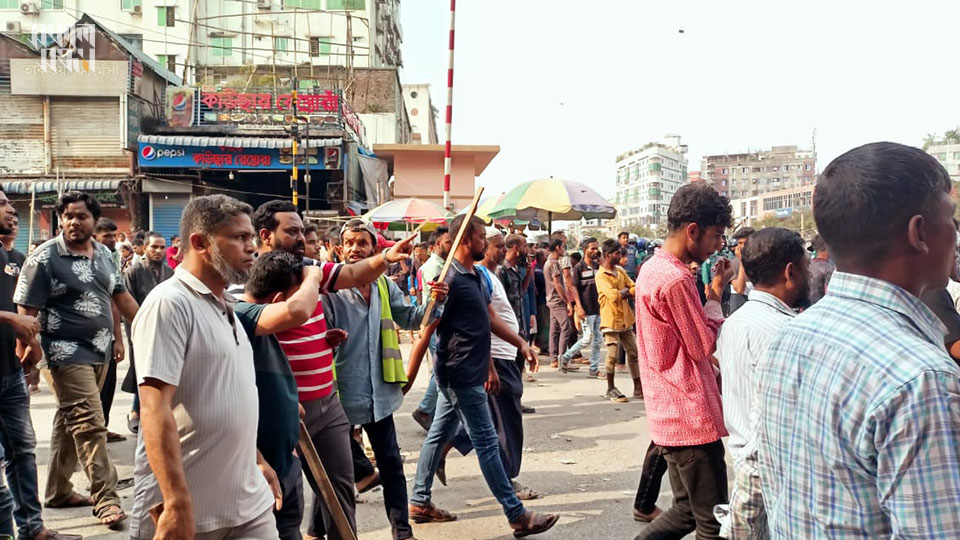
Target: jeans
column 469, row 406
column 19, row 458
column 591, row 336
column 561, row 328
column 290, row 515
column 651, row 476
column 108, row 391
column 698, row 476
column 429, row 402
column 383, row 440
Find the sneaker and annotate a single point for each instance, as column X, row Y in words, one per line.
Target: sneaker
column 423, row 419
column 569, row 368
column 592, row 374
column 615, row 396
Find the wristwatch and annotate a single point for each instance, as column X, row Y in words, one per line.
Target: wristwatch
column 386, row 262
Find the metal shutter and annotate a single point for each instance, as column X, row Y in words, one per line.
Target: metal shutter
column 86, row 127
column 165, row 213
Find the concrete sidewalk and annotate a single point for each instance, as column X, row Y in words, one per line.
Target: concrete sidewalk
column 582, row 453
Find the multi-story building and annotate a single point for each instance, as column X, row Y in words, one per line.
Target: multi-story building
column 738, row 176
column 647, row 178
column 423, row 115
column 781, row 204
column 218, row 39
column 694, row 177
column 949, row 156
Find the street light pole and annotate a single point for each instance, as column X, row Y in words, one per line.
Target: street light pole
column 295, row 133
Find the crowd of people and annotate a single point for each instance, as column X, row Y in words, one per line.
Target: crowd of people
column 831, row 366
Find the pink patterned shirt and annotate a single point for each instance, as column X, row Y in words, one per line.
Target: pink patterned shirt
column 676, row 336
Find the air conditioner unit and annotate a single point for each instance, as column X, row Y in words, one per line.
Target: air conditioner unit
column 13, row 26
column 137, row 10
column 29, row 8
column 263, row 4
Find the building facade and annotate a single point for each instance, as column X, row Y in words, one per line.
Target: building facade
column 949, row 156
column 647, row 178
column 781, row 204
column 217, row 39
column 422, row 113
column 738, row 176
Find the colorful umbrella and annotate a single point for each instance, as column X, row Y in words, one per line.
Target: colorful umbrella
column 487, row 205
column 550, row 199
column 399, row 214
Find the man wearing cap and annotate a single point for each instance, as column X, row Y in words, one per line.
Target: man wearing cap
column 370, row 371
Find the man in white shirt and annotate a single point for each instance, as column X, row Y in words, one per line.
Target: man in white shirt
column 775, row 262
column 198, row 473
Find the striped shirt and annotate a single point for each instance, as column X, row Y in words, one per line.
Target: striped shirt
column 310, row 357
column 859, row 419
column 743, row 340
column 186, row 337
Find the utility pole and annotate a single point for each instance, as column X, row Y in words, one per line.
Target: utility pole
column 193, row 39
column 295, row 133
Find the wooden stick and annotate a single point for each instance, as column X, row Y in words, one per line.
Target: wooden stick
column 322, row 481
column 453, row 250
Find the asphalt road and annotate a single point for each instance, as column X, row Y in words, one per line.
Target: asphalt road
column 582, row 453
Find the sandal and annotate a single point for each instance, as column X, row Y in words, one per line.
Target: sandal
column 616, row 396
column 133, row 422
column 430, row 514
column 111, row 515
column 75, row 500
column 525, row 494
column 368, row 483
column 534, row 523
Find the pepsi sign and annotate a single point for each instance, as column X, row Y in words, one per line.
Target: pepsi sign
column 150, row 153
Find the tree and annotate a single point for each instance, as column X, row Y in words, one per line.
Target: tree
column 793, row 222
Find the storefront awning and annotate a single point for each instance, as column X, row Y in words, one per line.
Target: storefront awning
column 26, row 187
column 236, row 142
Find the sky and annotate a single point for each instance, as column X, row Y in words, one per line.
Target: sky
column 565, row 86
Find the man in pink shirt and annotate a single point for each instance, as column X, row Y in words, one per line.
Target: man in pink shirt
column 676, row 340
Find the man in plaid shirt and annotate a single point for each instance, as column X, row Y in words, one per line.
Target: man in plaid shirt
column 858, row 418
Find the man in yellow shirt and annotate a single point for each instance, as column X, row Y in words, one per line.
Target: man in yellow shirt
column 614, row 289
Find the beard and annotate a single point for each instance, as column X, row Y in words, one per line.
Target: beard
column 803, row 299
column 229, row 274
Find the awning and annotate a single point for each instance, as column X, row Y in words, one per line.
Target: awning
column 26, row 186
column 236, row 142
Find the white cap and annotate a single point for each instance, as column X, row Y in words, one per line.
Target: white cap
column 493, row 231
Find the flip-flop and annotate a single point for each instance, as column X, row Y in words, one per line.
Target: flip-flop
column 535, row 523
column 133, row 423
column 112, row 516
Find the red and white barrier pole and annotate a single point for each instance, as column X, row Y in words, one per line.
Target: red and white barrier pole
column 447, row 150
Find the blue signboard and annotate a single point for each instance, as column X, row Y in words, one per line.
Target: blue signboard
column 223, row 157
column 784, row 212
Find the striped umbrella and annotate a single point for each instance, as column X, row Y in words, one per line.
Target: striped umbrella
column 399, row 214
column 551, row 198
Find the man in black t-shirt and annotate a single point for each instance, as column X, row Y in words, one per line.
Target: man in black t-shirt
column 15, row 258
column 587, row 305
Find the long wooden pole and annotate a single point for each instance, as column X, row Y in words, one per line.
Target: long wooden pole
column 447, row 154
column 309, row 453
column 453, row 250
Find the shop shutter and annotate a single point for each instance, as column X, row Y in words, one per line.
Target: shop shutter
column 86, row 133
column 165, row 213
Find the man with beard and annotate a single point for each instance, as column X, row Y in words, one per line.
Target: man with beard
column 465, row 371
column 505, row 408
column 776, row 263
column 583, row 282
column 17, row 438
column 677, row 336
column 15, row 258
column 140, row 279
column 105, row 232
column 311, row 242
column 309, row 348
column 72, row 281
column 196, row 468
column 370, row 371
column 442, row 242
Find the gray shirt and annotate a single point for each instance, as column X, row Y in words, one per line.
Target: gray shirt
column 143, row 276
column 364, row 395
column 185, row 336
column 73, row 293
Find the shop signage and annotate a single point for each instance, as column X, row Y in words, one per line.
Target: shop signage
column 225, row 157
column 107, row 78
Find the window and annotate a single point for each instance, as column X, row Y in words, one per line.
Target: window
column 307, row 4
column 9, row 4
column 956, row 155
column 127, row 5
column 280, row 44
column 775, row 168
column 223, row 46
column 135, row 40
column 806, row 167
column 51, row 4
column 168, row 61
column 724, row 171
column 346, row 5
column 942, row 156
column 320, row 46
column 165, row 16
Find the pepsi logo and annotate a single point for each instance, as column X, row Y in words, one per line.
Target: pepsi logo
column 179, row 102
column 148, row 153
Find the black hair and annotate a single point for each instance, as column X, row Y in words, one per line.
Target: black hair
column 768, row 251
column 609, row 247
column 865, row 198
column 745, row 232
column 310, row 228
column 208, row 214
column 421, row 245
column 555, row 243
column 72, row 197
column 435, row 235
column 174, row 237
column 138, row 241
column 575, row 257
column 587, row 241
column 148, row 236
column 332, row 235
column 623, row 233
column 700, row 204
column 543, row 245
column 471, row 226
column 276, row 271
column 105, row 224
column 514, row 240
column 265, row 216
column 818, row 244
